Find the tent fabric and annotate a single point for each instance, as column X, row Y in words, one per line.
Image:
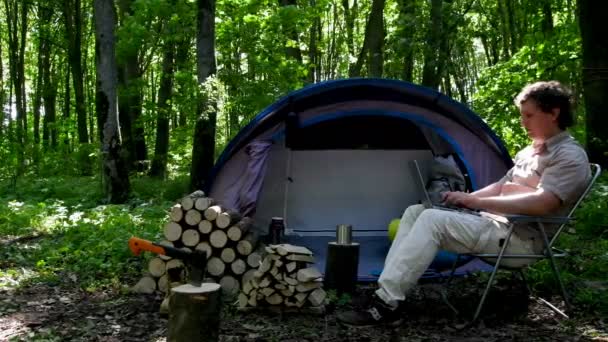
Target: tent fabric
column 340, row 151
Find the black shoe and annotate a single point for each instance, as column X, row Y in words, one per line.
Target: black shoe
column 377, row 313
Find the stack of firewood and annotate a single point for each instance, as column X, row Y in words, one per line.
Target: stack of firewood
column 198, row 222
column 284, row 278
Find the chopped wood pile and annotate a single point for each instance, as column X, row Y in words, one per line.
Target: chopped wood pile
column 284, row 278
column 198, row 222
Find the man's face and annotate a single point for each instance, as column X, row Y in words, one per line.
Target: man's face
column 538, row 124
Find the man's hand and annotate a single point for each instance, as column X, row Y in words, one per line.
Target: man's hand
column 461, row 199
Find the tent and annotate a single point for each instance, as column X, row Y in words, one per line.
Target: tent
column 340, row 152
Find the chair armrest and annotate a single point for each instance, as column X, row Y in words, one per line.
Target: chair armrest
column 537, row 219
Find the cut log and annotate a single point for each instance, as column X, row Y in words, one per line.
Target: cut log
column 238, row 230
column 253, row 298
column 291, row 266
column 218, row 239
column 172, row 231
column 215, row 266
column 194, row 313
column 301, row 257
column 308, row 274
column 188, row 201
column 254, row 259
column 242, row 300
column 166, row 243
column 205, row 247
column 247, row 245
column 307, row 287
column 266, row 264
column 301, row 297
column 205, row 226
column 230, row 286
column 289, row 280
column 275, row 299
column 164, row 307
column 317, row 297
column 175, row 269
column 163, row 283
column 228, row 255
column 190, row 237
column 193, row 217
column 212, row 212
column 238, row 266
column 176, row 214
column 287, row 292
column 203, row 203
column 267, row 291
column 279, row 286
column 247, row 287
column 226, row 218
column 285, row 249
column 247, row 276
column 265, row 282
column 145, row 285
column 156, row 267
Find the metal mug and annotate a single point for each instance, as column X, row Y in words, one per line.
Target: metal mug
column 344, row 234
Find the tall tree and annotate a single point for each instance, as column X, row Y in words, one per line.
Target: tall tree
column 159, row 163
column 73, row 24
column 115, row 173
column 373, row 43
column 430, row 74
column 203, row 147
column 130, row 95
column 594, row 33
column 16, row 16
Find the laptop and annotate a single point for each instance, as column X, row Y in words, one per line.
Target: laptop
column 426, row 201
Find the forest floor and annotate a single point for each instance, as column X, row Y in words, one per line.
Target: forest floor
column 63, row 312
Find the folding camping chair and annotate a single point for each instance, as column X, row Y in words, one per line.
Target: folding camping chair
column 549, row 252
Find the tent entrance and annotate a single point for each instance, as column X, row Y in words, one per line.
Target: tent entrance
column 315, row 190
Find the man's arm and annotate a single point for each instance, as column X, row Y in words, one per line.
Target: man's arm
column 493, row 189
column 537, row 203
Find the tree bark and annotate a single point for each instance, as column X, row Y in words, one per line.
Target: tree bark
column 430, row 76
column 130, row 99
column 203, row 149
column 73, row 23
column 595, row 76
column 406, row 30
column 159, row 164
column 373, row 43
column 115, row 174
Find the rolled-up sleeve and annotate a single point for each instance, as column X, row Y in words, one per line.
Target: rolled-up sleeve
column 566, row 175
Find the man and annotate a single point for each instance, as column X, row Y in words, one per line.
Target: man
column 548, row 177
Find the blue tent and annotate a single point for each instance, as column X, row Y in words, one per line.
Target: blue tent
column 339, row 152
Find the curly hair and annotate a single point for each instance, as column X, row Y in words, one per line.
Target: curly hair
column 548, row 96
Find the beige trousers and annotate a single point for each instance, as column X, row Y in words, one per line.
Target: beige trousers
column 423, row 232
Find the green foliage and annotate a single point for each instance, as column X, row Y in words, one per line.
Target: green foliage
column 339, row 301
column 556, row 58
column 71, row 237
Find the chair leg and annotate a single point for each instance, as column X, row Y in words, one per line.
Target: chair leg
column 554, row 268
column 496, row 265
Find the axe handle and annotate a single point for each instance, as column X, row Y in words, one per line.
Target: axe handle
column 136, row 245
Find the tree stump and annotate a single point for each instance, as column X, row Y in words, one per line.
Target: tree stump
column 194, row 313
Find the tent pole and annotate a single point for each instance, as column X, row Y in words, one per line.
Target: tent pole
column 288, row 179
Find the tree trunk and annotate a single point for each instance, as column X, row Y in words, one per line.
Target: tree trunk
column 547, row 18
column 17, row 27
column 159, row 164
column 291, row 33
column 595, row 76
column 49, row 87
column 73, row 22
column 373, row 43
column 203, row 149
column 430, row 76
column 115, row 174
column 406, row 30
column 130, row 99
column 313, row 53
